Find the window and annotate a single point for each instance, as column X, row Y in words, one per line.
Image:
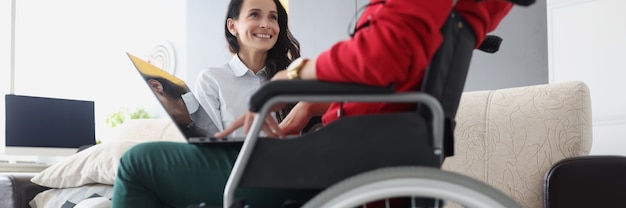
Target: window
column 76, row 49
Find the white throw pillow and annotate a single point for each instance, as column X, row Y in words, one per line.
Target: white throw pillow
column 97, row 164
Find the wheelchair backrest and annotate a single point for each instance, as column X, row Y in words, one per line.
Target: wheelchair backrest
column 446, row 74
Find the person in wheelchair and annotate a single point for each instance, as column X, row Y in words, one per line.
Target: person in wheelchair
column 392, row 45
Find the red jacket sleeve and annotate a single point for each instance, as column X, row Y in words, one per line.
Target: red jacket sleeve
column 402, row 35
column 483, row 16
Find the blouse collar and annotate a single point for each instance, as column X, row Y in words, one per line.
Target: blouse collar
column 239, row 68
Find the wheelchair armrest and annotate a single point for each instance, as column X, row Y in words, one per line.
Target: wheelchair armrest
column 311, row 87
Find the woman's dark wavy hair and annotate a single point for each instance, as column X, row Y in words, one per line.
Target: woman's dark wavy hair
column 286, row 49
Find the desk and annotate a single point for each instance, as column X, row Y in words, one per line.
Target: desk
column 22, row 167
column 27, row 159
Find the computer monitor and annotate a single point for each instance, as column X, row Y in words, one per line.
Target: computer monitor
column 48, row 122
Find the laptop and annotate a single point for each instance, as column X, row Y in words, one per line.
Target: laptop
column 197, row 128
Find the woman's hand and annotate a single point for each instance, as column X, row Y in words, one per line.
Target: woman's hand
column 270, row 126
column 292, row 124
column 297, row 119
column 300, row 116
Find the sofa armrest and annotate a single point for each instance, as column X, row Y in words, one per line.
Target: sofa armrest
column 586, row 181
column 16, row 190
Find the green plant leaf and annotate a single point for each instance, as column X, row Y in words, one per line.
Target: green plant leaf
column 120, row 116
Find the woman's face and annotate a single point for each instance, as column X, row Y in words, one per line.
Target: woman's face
column 257, row 27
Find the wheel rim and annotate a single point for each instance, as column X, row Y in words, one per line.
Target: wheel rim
column 411, row 181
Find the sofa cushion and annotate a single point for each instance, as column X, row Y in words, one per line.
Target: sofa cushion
column 509, row 138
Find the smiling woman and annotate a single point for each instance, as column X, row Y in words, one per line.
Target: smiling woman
column 262, row 45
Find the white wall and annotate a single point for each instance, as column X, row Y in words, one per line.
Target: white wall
column 317, row 32
column 523, row 56
column 587, row 39
column 207, row 46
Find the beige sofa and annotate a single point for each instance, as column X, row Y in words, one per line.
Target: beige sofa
column 507, row 138
column 510, row 138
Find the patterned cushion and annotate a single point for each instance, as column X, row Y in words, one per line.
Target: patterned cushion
column 509, row 138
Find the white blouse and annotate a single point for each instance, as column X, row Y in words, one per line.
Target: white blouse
column 223, row 92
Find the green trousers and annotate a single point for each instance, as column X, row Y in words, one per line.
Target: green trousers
column 173, row 174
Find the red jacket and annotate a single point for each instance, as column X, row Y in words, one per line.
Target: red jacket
column 396, row 46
